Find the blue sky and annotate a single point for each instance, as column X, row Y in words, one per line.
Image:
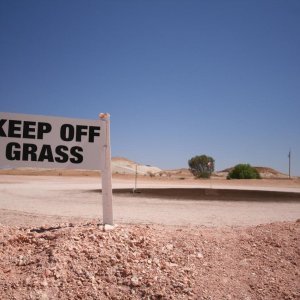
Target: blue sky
column 179, row 78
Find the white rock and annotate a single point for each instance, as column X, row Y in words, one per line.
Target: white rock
column 108, row 227
column 134, row 281
column 169, row 246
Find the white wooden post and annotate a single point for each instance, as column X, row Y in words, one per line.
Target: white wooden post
column 106, row 171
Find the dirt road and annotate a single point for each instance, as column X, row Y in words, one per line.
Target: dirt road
column 28, row 200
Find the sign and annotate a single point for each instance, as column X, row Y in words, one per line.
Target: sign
column 53, row 142
column 50, row 142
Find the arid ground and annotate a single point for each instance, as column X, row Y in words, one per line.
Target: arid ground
column 52, row 243
column 34, row 200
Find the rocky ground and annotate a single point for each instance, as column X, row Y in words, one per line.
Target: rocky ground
column 81, row 261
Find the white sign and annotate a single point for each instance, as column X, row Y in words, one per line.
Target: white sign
column 50, row 142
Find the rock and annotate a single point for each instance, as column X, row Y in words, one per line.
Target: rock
column 108, row 227
column 169, row 247
column 43, row 296
column 44, row 283
column 171, row 265
column 244, row 262
column 158, row 263
column 134, row 281
column 27, row 281
column 7, row 270
column 47, row 273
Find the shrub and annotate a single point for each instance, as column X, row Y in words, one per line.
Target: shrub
column 202, row 166
column 243, row 171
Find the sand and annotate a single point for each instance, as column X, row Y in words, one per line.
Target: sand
column 240, row 242
column 35, row 200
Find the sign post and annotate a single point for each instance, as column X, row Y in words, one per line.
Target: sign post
column 106, row 171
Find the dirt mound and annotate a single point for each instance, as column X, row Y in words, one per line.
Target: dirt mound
column 264, row 172
column 121, row 165
column 150, row 262
column 176, row 173
column 269, row 172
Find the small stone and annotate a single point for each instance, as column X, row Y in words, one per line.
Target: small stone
column 44, row 283
column 134, row 281
column 172, row 265
column 93, row 279
column 43, row 296
column 47, row 273
column 244, row 262
column 6, row 270
column 169, row 247
column 108, row 227
column 27, row 281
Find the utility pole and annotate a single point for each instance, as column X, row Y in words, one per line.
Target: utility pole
column 290, row 164
column 135, row 179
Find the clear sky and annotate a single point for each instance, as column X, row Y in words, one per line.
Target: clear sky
column 179, row 78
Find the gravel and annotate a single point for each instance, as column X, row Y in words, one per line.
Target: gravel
column 82, row 261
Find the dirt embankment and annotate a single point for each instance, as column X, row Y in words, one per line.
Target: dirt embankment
column 150, row 262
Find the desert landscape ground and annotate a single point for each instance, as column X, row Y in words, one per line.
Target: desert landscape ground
column 33, row 200
column 166, row 246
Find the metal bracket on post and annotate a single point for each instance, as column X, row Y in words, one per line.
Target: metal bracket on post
column 108, row 221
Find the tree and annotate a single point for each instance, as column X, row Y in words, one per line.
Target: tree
column 202, row 166
column 243, row 171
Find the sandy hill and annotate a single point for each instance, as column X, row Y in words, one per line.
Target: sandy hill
column 124, row 166
column 265, row 172
column 182, row 173
column 121, row 165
